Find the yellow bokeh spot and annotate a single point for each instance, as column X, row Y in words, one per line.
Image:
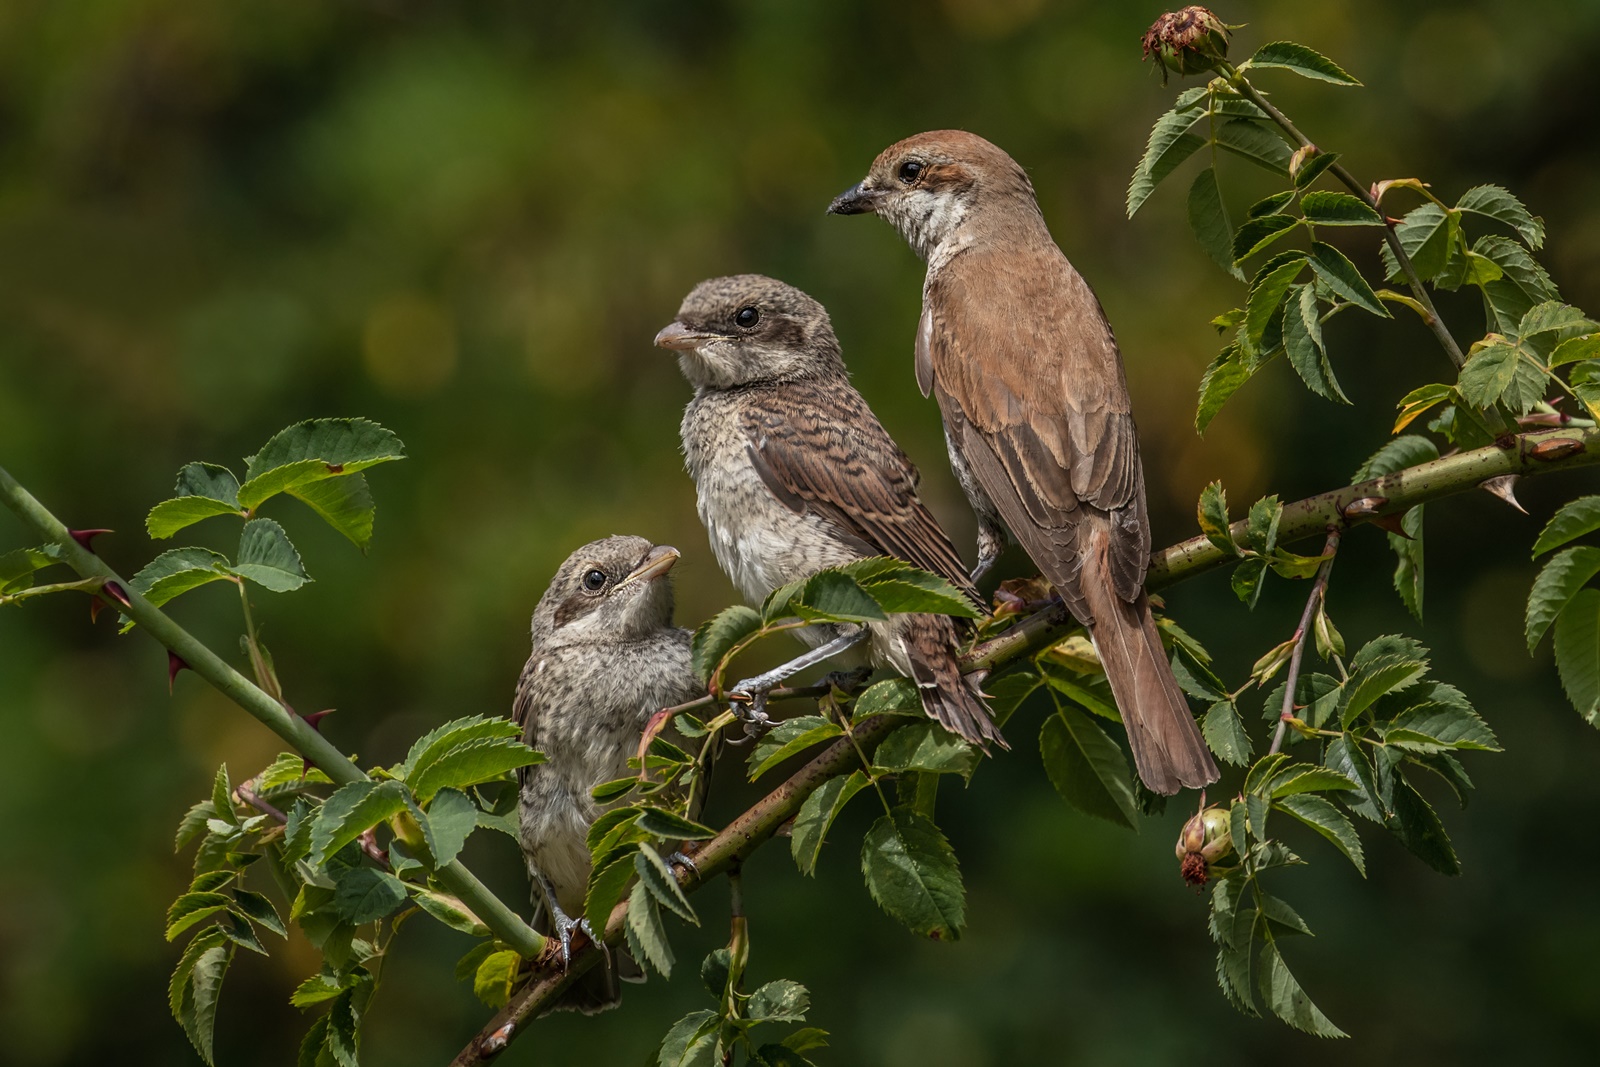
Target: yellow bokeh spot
column 409, row 345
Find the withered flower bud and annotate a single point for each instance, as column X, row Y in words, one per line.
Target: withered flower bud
column 1204, row 840
column 1190, row 41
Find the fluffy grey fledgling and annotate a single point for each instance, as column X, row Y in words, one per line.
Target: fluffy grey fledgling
column 794, row 473
column 606, row 657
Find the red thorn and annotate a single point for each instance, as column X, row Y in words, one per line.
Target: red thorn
column 1392, row 524
column 175, row 663
column 86, row 537
column 115, row 592
column 96, row 606
column 314, row 720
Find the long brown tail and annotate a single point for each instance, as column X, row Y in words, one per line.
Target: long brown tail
column 931, row 642
column 1167, row 747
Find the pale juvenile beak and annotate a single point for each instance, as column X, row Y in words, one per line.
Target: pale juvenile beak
column 657, row 561
column 679, row 337
column 856, row 200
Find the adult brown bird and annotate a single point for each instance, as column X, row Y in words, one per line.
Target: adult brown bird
column 794, row 474
column 1015, row 346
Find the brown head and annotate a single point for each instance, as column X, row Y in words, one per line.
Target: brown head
column 750, row 328
column 615, row 589
column 929, row 185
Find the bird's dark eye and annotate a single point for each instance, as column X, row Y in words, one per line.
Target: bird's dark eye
column 910, row 171
column 594, row 581
column 747, row 317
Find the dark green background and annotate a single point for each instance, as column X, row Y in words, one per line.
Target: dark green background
column 466, row 221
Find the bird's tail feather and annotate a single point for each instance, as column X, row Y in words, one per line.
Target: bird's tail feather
column 1168, row 750
column 930, row 642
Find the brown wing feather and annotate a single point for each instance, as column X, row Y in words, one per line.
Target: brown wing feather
column 1047, row 397
column 819, row 448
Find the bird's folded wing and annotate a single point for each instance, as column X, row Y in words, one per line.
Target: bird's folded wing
column 820, row 449
column 1023, row 352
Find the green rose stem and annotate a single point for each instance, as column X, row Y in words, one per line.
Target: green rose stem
column 1393, row 494
column 500, row 919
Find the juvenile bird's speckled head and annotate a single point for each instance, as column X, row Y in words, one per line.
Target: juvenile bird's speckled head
column 749, row 328
column 616, row 589
column 929, row 185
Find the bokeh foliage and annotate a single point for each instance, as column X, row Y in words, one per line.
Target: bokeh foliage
column 466, row 221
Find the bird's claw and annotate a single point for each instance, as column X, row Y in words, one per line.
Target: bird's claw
column 682, row 859
column 564, row 927
column 749, row 705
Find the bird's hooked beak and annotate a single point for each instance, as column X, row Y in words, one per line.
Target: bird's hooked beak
column 681, row 338
column 856, row 200
column 656, row 562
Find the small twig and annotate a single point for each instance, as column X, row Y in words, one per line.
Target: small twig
column 1319, row 592
column 252, row 798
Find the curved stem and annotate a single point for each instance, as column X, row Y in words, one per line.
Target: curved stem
column 1319, row 591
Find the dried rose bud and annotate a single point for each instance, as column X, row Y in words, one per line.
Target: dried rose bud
column 1190, row 41
column 1205, row 839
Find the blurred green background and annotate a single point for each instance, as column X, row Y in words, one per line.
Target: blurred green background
column 466, row 221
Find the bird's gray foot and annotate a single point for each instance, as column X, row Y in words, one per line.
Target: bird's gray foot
column 748, row 701
column 680, row 859
column 564, row 926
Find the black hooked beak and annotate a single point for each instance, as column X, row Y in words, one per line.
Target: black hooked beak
column 856, row 200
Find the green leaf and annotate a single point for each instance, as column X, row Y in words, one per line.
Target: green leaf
column 816, row 816
column 1224, row 733
column 1213, row 518
column 1208, row 218
column 1283, row 995
column 427, row 749
column 1261, row 525
column 448, row 910
column 1170, row 143
column 691, row 1042
column 1222, row 379
column 1286, row 55
column 315, row 451
column 1338, row 209
column 656, row 877
column 1493, row 202
column 1559, row 581
column 1326, row 819
column 178, row 570
column 1396, row 455
column 608, row 883
column 830, row 596
column 1075, row 688
column 472, row 763
column 170, row 516
column 349, row 812
column 672, row 826
column 208, row 480
column 715, row 637
column 1444, row 720
column 1418, row 827
column 1307, row 778
column 788, row 738
column 1577, row 644
column 1253, row 235
column 1257, row 142
column 1553, row 316
column 267, row 557
column 1576, row 519
column 1341, row 276
column 365, row 894
column 927, row 747
column 781, row 1001
column 450, row 819
column 912, row 873
column 1267, row 293
column 259, row 910
column 1522, row 285
column 647, row 937
column 1487, row 374
column 1313, row 167
column 318, row 989
column 1087, row 767
column 1420, row 400
column 1007, row 693
column 495, row 977
column 1428, row 234
column 1302, row 343
column 192, row 908
column 1387, row 675
column 1574, row 349
column 1270, row 205
column 892, row 696
column 196, row 987
column 1246, row 580
column 900, row 588
column 345, row 503
column 1409, row 555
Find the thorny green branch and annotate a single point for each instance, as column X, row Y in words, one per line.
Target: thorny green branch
column 1393, row 494
column 455, row 877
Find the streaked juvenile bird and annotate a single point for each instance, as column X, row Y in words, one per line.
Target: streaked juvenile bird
column 1014, row 344
column 606, row 657
column 794, row 474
